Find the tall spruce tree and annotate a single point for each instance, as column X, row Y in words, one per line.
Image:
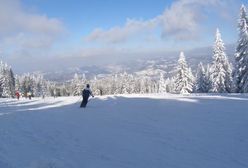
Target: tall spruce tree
column 184, row 78
column 221, row 71
column 241, row 55
column 7, row 81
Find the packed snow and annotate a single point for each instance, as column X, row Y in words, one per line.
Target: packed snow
column 130, row 131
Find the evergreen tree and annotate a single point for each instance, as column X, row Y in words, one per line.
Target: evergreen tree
column 143, row 85
column 162, row 84
column 11, row 82
column 184, row 78
column 77, row 85
column 125, row 83
column 113, row 85
column 1, row 78
column 208, row 78
column 241, row 55
column 202, row 80
column 7, row 81
column 221, row 71
column 170, row 85
column 191, row 78
column 17, row 83
column 38, row 88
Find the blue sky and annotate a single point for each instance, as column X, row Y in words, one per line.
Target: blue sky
column 82, row 16
column 88, row 14
column 67, row 32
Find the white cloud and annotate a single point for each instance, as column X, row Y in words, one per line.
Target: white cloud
column 23, row 28
column 181, row 21
column 120, row 34
column 13, row 17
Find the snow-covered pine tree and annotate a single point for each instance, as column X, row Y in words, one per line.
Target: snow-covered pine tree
column 221, row 71
column 162, row 84
column 77, row 85
column 131, row 84
column 7, row 81
column 11, row 81
column 64, row 91
column 191, row 78
column 208, row 76
column 17, row 83
column 169, row 85
column 1, row 78
column 152, row 86
column 100, row 86
column 25, row 84
column 113, row 84
column 243, row 14
column 107, row 85
column 202, row 84
column 38, row 86
column 116, row 84
column 125, row 85
column 44, row 87
column 143, row 85
column 241, row 55
column 183, row 80
column 137, row 85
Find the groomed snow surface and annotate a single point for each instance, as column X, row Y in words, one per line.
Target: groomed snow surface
column 132, row 131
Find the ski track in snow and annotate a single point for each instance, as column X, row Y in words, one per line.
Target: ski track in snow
column 125, row 131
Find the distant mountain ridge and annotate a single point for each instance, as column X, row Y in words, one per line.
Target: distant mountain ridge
column 149, row 66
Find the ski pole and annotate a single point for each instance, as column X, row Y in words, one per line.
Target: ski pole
column 90, row 99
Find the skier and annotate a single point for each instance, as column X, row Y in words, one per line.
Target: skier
column 17, row 95
column 86, row 93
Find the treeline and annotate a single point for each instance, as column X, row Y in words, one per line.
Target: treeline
column 218, row 77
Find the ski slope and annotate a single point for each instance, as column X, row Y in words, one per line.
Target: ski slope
column 131, row 131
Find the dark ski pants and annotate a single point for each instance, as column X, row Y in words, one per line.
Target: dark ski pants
column 84, row 102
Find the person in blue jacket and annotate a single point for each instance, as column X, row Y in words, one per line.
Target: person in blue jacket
column 86, row 93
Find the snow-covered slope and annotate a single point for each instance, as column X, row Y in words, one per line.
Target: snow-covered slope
column 151, row 131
